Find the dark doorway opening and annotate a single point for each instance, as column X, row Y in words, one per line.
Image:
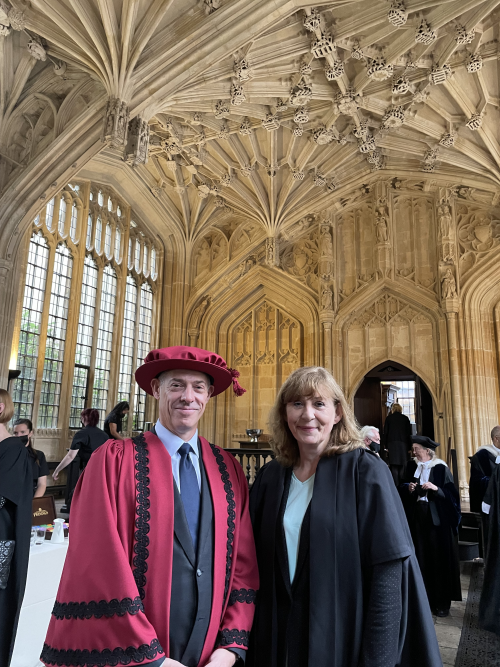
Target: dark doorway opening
column 413, row 394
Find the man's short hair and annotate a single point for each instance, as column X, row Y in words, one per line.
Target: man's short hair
column 495, row 431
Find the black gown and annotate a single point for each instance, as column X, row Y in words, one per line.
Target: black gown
column 434, row 528
column 355, row 522
column 489, row 608
column 16, row 487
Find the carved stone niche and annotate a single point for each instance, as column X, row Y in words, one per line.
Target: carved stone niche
column 136, row 151
column 448, row 284
column 116, row 122
column 209, row 254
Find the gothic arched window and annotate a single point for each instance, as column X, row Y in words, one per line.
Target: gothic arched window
column 56, row 338
column 31, row 325
column 62, row 216
column 104, row 340
column 73, row 222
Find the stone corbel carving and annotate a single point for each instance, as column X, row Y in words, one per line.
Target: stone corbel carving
column 136, row 151
column 116, row 123
column 382, row 222
column 326, row 298
column 35, row 48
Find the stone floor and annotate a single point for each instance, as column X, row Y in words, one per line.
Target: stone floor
column 449, row 629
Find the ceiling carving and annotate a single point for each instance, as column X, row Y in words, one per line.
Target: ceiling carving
column 229, row 111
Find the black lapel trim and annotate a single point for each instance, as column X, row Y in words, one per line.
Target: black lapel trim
column 243, row 595
column 228, row 637
column 94, row 658
column 86, row 610
column 231, row 514
column 142, row 511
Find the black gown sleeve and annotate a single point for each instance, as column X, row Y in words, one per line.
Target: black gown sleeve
column 383, row 617
column 44, row 468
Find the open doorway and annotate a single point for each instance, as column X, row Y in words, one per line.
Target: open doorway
column 370, row 401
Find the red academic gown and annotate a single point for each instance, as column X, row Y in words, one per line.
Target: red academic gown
column 113, row 602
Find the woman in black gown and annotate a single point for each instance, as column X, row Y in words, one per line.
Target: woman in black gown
column 432, row 506
column 16, row 493
column 340, row 585
column 23, row 429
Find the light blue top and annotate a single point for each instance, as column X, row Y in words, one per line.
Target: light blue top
column 172, row 444
column 298, row 501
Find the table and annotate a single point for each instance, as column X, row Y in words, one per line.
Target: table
column 44, row 572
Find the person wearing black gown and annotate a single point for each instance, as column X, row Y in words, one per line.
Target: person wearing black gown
column 432, row 506
column 489, row 609
column 397, row 440
column 340, row 585
column 23, row 429
column 85, row 441
column 114, row 421
column 16, row 493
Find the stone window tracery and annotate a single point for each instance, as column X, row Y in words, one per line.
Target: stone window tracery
column 76, row 279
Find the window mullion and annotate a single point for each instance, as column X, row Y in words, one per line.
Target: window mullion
column 136, row 352
column 116, row 352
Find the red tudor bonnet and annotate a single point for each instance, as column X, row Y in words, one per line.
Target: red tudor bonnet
column 187, row 358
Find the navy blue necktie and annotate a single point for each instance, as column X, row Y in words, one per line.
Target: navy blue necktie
column 190, row 492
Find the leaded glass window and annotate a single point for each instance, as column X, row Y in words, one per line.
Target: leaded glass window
column 62, row 216
column 107, row 241
column 74, row 221
column 98, row 235
column 127, row 355
column 100, row 198
column 137, row 255
column 145, row 260
column 85, row 334
column 88, row 242
column 143, row 347
column 104, row 340
column 49, row 213
column 56, row 338
column 31, row 320
column 153, row 263
column 130, row 244
column 118, row 242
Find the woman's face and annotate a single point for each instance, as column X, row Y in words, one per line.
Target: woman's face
column 421, row 453
column 311, row 420
column 22, row 429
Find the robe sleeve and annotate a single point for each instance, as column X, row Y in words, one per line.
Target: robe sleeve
column 382, row 525
column 98, row 617
column 238, row 616
column 447, row 496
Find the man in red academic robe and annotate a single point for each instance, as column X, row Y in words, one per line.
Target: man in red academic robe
column 161, row 567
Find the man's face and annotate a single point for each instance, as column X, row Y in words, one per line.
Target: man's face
column 182, row 396
column 373, row 436
column 495, row 439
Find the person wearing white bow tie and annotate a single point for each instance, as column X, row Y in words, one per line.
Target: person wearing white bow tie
column 432, row 507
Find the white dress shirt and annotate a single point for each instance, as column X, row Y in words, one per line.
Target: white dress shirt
column 172, row 444
column 422, row 473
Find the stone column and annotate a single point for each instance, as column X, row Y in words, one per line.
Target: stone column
column 327, row 341
column 450, row 307
column 193, row 337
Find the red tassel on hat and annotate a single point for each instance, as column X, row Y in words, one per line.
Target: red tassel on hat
column 237, row 388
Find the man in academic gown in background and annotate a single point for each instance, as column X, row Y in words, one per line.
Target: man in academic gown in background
column 489, row 606
column 161, row 568
column 482, row 466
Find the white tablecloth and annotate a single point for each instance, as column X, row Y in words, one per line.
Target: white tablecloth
column 44, row 572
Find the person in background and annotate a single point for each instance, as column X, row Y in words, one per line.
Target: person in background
column 371, row 437
column 85, row 441
column 340, row 584
column 489, row 609
column 482, row 467
column 114, row 421
column 432, row 506
column 397, row 440
column 16, row 494
column 23, row 429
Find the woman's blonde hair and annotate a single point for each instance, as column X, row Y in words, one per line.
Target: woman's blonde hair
column 8, row 411
column 305, row 382
column 396, row 407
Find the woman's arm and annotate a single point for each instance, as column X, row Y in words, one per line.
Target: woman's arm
column 383, row 618
column 114, row 432
column 41, row 486
column 70, row 456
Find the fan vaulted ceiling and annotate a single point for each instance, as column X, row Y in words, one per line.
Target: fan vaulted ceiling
column 268, row 110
